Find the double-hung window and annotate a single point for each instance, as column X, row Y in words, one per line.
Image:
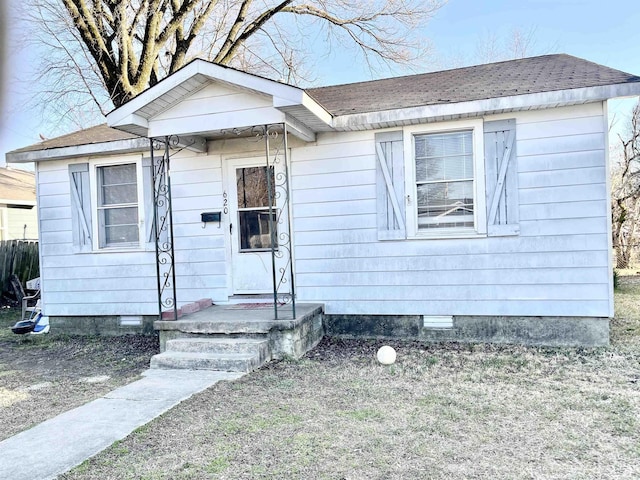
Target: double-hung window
column 446, row 184
column 444, row 180
column 118, row 205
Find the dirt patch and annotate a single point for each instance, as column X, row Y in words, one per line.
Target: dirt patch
column 42, row 376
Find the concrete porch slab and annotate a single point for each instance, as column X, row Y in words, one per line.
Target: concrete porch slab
column 287, row 336
column 229, row 319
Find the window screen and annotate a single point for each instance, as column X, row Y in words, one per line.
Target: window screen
column 118, row 205
column 444, row 180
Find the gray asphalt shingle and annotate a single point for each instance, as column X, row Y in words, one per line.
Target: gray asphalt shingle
column 546, row 73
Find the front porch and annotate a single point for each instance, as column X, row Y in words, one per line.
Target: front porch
column 237, row 337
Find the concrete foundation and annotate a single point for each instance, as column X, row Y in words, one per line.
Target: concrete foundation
column 295, row 337
column 110, row 325
column 541, row 331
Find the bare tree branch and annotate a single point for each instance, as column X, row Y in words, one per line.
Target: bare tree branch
column 115, row 49
column 625, row 193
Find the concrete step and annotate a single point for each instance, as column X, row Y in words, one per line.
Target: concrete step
column 226, row 362
column 219, row 345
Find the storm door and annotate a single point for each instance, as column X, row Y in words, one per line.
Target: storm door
column 251, row 262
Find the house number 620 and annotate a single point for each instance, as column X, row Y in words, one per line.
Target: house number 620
column 225, row 202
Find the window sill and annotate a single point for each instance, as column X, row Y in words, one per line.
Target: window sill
column 447, row 235
column 134, row 248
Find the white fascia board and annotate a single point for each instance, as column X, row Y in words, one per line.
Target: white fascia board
column 119, row 146
column 479, row 107
column 303, row 99
column 131, row 119
column 317, row 109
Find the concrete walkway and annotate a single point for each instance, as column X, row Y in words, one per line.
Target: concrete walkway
column 59, row 444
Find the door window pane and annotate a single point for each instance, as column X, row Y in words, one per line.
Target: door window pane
column 254, row 229
column 252, row 187
column 253, row 207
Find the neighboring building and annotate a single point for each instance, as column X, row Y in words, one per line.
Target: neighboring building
column 18, row 215
column 465, row 204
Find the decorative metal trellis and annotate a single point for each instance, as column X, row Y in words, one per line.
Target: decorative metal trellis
column 276, row 153
column 163, row 226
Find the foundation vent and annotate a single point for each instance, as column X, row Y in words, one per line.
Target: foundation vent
column 437, row 321
column 131, row 321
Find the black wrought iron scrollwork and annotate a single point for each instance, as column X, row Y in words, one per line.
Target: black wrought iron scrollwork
column 275, row 138
column 163, row 224
column 175, row 144
column 255, row 133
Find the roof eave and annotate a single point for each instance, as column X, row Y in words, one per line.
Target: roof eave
column 119, row 146
column 427, row 113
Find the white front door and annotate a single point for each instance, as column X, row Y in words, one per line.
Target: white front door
column 251, row 265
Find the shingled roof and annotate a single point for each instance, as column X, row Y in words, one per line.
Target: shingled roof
column 541, row 74
column 98, row 134
column 546, row 73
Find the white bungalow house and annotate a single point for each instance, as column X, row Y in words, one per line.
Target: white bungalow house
column 467, row 204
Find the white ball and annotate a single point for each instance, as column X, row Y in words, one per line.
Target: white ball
column 386, row 355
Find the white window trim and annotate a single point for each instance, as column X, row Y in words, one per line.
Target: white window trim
column 479, row 201
column 93, row 181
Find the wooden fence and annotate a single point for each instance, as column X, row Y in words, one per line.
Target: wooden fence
column 19, row 257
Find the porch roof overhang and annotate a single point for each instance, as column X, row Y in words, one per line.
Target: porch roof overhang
column 291, row 105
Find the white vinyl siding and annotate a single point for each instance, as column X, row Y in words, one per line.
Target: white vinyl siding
column 86, row 283
column 121, row 282
column 215, row 106
column 556, row 266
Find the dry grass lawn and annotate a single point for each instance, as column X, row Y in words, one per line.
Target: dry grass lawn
column 441, row 412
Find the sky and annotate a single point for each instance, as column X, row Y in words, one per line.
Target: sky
column 603, row 31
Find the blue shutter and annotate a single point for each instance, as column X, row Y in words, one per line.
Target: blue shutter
column 501, row 170
column 80, row 206
column 148, row 192
column 391, row 216
column 147, row 196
